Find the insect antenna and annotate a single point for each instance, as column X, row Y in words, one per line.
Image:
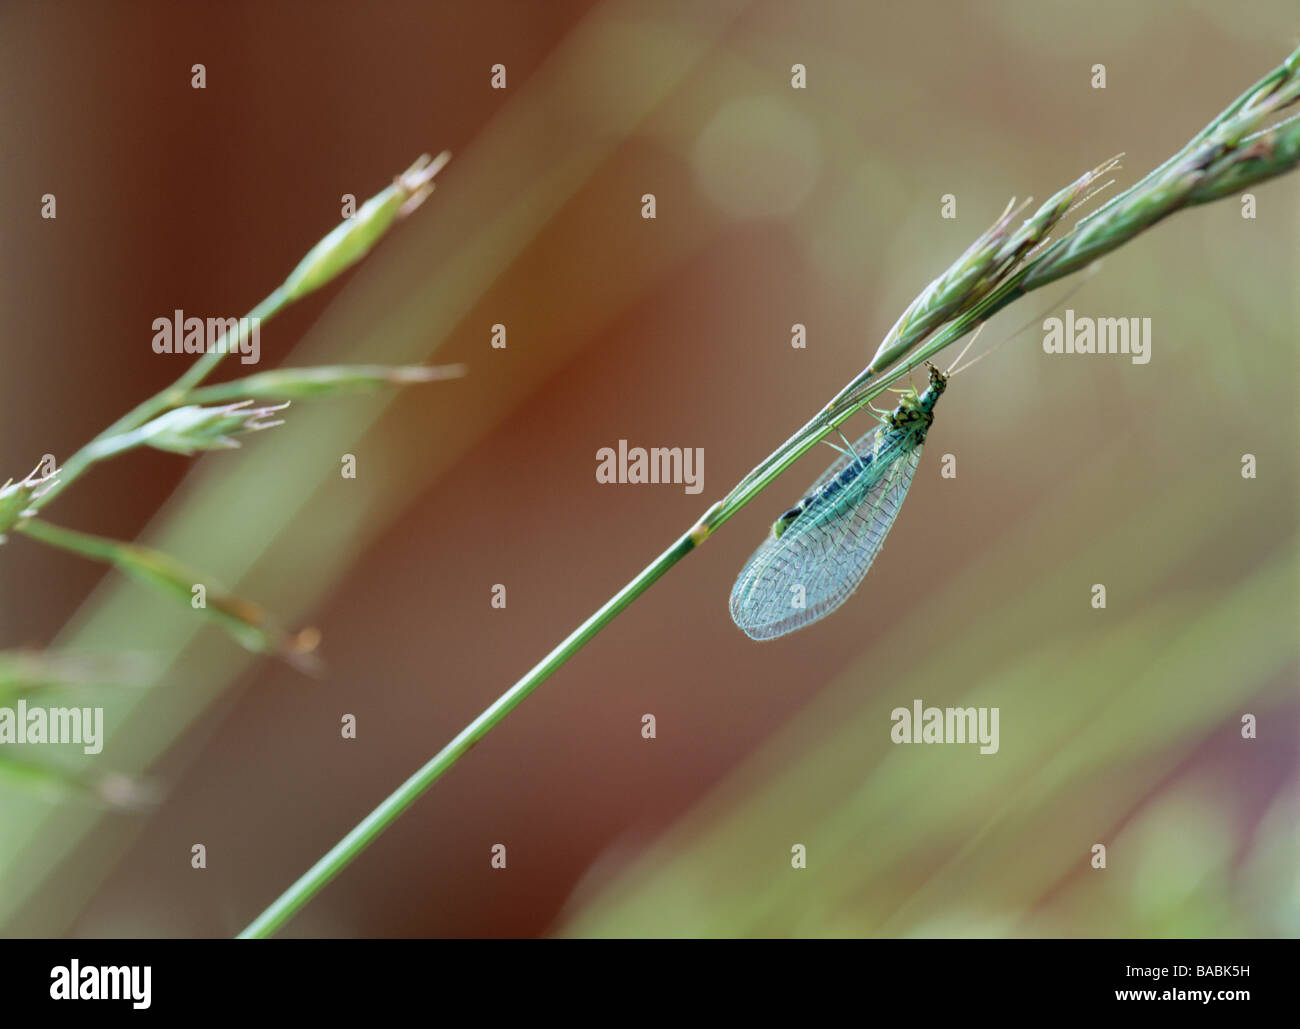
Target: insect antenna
column 969, row 343
column 1083, row 281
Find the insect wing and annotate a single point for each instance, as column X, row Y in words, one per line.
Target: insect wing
column 823, row 556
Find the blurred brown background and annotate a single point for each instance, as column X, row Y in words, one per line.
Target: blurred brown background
column 775, row 206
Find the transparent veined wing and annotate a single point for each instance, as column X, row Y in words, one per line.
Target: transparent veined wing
column 817, row 563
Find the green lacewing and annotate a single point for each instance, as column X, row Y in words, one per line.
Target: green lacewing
column 820, row 550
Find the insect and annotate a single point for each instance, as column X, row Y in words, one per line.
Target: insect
column 819, row 551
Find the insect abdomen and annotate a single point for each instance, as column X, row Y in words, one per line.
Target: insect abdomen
column 785, row 521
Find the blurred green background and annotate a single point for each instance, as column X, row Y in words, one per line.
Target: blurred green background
column 775, row 206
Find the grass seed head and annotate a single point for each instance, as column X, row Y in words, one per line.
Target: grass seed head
column 350, row 241
column 192, row 428
column 16, row 498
